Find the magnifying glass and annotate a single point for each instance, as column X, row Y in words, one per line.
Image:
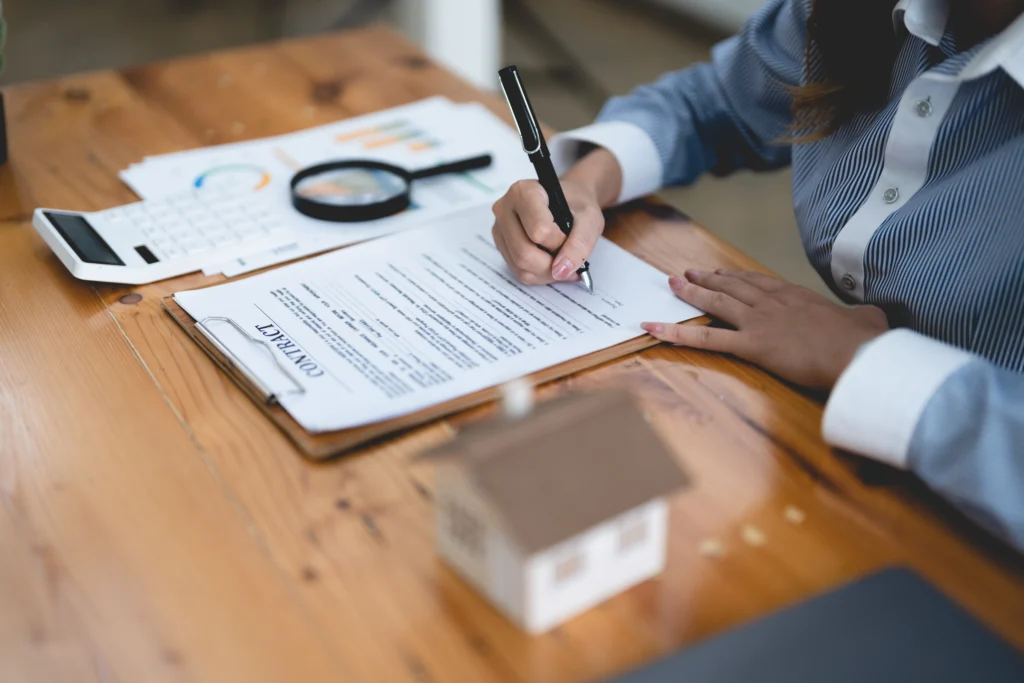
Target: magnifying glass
column 364, row 190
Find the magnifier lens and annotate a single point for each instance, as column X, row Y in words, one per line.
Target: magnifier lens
column 352, row 186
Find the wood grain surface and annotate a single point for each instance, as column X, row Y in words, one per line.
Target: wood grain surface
column 155, row 526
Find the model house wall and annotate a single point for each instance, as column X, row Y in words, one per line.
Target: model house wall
column 542, row 591
column 471, row 543
column 464, row 534
column 507, row 588
column 583, row 572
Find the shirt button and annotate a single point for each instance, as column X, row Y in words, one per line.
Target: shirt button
column 891, row 195
column 924, row 108
column 848, row 282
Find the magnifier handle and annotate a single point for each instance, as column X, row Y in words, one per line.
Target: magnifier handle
column 482, row 161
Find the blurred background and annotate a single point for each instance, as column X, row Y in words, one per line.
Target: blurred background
column 574, row 54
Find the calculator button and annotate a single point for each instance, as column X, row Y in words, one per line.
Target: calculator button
column 247, row 230
column 172, row 252
column 147, row 254
column 194, row 245
column 221, row 239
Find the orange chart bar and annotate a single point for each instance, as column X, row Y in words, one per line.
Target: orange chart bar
column 367, row 132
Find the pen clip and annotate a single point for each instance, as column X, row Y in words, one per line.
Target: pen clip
column 269, row 396
column 531, row 120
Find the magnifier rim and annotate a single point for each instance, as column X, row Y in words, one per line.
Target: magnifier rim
column 340, row 213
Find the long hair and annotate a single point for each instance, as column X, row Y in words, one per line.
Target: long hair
column 851, row 52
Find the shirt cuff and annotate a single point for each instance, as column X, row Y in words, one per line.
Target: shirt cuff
column 879, row 399
column 629, row 143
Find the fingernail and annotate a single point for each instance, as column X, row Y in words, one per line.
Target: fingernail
column 676, row 282
column 653, row 328
column 563, row 267
column 573, row 278
column 693, row 274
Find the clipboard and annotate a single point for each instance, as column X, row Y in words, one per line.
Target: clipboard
column 321, row 447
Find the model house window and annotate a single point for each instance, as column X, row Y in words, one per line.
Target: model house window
column 568, row 567
column 632, row 535
column 466, row 529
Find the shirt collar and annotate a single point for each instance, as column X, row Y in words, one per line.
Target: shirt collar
column 927, row 20
column 1005, row 51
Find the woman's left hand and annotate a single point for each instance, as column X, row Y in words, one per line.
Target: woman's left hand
column 788, row 330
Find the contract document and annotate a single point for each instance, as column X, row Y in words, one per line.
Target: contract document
column 392, row 326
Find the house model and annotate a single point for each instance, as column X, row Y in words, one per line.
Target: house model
column 551, row 514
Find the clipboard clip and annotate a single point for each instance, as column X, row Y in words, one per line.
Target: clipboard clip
column 270, row 397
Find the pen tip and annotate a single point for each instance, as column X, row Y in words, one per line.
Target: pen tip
column 587, row 281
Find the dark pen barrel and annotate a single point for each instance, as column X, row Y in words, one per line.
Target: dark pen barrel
column 521, row 109
column 556, row 198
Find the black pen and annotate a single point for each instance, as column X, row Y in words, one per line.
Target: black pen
column 537, row 149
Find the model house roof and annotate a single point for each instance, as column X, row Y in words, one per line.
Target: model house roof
column 572, row 464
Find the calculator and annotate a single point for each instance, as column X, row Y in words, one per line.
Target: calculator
column 161, row 238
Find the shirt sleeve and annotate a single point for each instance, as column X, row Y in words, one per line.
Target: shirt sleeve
column 952, row 418
column 730, row 113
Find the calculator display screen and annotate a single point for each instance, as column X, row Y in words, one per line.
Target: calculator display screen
column 83, row 238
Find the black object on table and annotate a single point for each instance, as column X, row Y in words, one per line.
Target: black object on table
column 892, row 627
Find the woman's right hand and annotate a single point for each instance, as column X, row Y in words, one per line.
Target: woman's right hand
column 526, row 234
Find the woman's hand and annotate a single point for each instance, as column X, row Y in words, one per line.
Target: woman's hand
column 525, row 231
column 526, row 234
column 788, row 330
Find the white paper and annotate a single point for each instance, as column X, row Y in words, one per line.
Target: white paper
column 256, row 165
column 392, row 326
column 414, row 136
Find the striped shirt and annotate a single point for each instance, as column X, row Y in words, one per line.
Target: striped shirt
column 916, row 207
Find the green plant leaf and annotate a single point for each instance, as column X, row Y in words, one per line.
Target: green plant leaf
column 3, row 36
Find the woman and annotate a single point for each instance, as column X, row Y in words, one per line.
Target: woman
column 904, row 124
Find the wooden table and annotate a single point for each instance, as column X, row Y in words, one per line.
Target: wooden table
column 155, row 527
